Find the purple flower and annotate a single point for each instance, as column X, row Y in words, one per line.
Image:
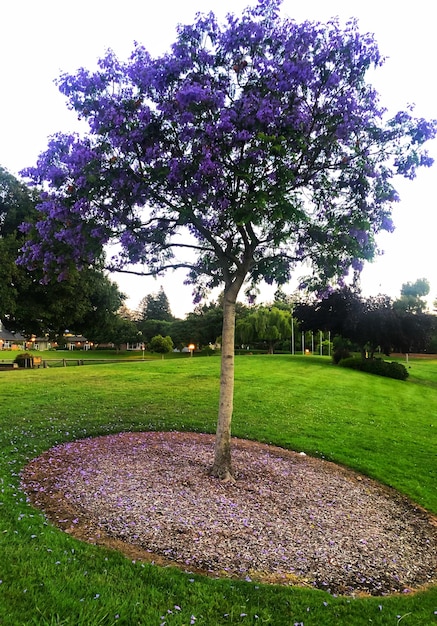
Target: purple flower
column 221, row 142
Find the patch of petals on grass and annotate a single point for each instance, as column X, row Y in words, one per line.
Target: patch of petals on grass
column 287, row 519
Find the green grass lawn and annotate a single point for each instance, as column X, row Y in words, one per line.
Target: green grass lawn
column 384, row 428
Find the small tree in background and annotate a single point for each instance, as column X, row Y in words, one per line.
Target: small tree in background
column 254, row 145
column 161, row 344
column 269, row 324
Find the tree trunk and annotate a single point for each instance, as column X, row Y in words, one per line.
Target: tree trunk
column 222, row 466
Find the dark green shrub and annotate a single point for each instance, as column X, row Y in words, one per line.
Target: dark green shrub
column 341, row 354
column 207, row 351
column 397, row 370
column 389, row 369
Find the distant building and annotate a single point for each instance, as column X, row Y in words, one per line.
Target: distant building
column 11, row 341
column 76, row 342
column 41, row 343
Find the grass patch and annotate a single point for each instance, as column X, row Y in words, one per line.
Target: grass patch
column 381, row 427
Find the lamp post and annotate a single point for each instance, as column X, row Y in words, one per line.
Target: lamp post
column 191, row 348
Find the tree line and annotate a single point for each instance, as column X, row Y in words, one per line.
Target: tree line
column 353, row 323
column 374, row 324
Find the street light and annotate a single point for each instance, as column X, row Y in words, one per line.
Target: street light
column 191, row 348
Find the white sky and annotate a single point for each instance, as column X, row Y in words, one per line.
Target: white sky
column 39, row 39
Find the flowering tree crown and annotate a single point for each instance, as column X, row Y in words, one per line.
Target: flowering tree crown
column 256, row 144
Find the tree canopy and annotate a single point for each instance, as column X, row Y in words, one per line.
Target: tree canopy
column 412, row 295
column 155, row 306
column 269, row 324
column 17, row 204
column 253, row 145
column 86, row 301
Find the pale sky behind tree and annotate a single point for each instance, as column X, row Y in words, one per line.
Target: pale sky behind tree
column 41, row 39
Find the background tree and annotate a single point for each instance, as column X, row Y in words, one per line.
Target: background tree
column 266, row 324
column 377, row 327
column 178, row 331
column 259, row 139
column 161, row 344
column 204, row 324
column 121, row 331
column 417, row 328
column 150, row 328
column 417, row 331
column 155, row 306
column 283, row 300
column 412, row 296
column 102, row 302
column 127, row 314
column 369, row 325
column 17, row 204
column 33, row 306
column 338, row 312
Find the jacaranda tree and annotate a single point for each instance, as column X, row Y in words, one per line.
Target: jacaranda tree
column 254, row 144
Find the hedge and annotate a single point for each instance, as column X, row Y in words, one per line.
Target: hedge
column 390, row 369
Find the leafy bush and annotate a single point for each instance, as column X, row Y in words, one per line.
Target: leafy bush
column 390, row 369
column 341, row 354
column 161, row 344
column 207, row 351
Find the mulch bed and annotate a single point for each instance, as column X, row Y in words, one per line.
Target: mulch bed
column 287, row 519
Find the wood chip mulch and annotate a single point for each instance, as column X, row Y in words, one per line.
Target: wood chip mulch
column 287, row 519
